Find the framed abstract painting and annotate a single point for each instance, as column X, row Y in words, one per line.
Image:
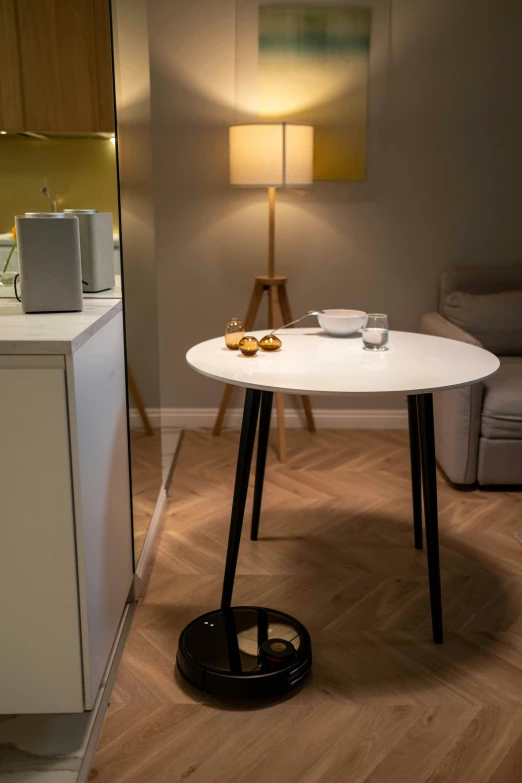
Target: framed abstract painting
column 319, row 63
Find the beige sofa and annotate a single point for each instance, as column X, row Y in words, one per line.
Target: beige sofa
column 478, row 429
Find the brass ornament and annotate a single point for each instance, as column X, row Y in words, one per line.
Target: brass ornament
column 248, row 345
column 270, row 343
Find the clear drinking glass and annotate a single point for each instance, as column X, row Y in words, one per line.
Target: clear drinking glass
column 375, row 332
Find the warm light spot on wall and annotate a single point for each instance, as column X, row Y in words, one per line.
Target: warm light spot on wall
column 3, row 133
column 113, row 139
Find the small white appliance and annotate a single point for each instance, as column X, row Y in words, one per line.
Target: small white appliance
column 97, row 249
column 49, row 261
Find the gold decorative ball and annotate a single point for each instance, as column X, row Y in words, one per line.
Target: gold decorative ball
column 248, row 345
column 270, row 343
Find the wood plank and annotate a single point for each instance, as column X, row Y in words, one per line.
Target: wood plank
column 11, row 105
column 476, row 754
column 58, row 53
column 104, row 65
column 423, row 745
column 146, row 482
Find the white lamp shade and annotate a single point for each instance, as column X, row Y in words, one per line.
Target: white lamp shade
column 271, row 154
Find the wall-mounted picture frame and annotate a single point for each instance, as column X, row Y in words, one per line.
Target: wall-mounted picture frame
column 326, row 64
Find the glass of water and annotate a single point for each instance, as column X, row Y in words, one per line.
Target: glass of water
column 375, row 332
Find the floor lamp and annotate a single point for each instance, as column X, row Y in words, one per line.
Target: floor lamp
column 270, row 155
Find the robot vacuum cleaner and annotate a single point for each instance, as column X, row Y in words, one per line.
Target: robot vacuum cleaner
column 245, row 652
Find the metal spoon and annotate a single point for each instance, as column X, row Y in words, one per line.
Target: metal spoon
column 310, row 312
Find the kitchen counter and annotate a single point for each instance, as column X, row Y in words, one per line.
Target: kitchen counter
column 66, row 558
column 52, row 333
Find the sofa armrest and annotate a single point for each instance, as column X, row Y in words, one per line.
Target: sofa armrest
column 435, row 324
column 457, row 412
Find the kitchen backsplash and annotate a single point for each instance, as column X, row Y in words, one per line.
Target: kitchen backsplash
column 81, row 173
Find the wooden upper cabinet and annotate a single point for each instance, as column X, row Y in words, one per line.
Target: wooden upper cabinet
column 66, row 65
column 11, row 105
column 102, row 23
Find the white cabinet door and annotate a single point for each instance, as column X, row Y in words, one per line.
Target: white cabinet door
column 98, row 421
column 40, row 649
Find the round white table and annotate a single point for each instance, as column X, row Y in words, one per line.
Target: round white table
column 313, row 363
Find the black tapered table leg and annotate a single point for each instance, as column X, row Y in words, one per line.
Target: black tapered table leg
column 215, row 652
column 429, row 483
column 234, row 656
column 244, row 462
column 415, row 462
column 262, row 448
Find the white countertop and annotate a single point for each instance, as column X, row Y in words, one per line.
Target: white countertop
column 52, row 333
column 311, row 362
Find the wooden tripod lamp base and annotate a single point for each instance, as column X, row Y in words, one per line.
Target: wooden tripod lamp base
column 270, row 155
column 278, row 313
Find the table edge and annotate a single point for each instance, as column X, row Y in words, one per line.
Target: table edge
column 315, row 393
column 325, row 393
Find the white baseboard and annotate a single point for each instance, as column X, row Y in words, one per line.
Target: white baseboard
column 338, row 419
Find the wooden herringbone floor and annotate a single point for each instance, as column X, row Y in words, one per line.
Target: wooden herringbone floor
column 383, row 704
column 146, row 482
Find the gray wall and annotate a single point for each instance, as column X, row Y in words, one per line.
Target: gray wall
column 449, row 180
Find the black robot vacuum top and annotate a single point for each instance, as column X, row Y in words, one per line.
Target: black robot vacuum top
column 245, row 652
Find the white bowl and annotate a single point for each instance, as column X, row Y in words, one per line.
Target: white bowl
column 340, row 323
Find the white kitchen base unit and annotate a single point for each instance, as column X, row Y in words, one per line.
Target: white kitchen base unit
column 66, row 563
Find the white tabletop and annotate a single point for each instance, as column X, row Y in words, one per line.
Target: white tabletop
column 311, row 362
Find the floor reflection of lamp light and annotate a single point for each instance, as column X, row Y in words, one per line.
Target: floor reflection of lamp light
column 270, row 155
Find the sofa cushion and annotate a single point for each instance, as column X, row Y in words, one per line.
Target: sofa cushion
column 502, row 406
column 494, row 319
column 499, row 462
